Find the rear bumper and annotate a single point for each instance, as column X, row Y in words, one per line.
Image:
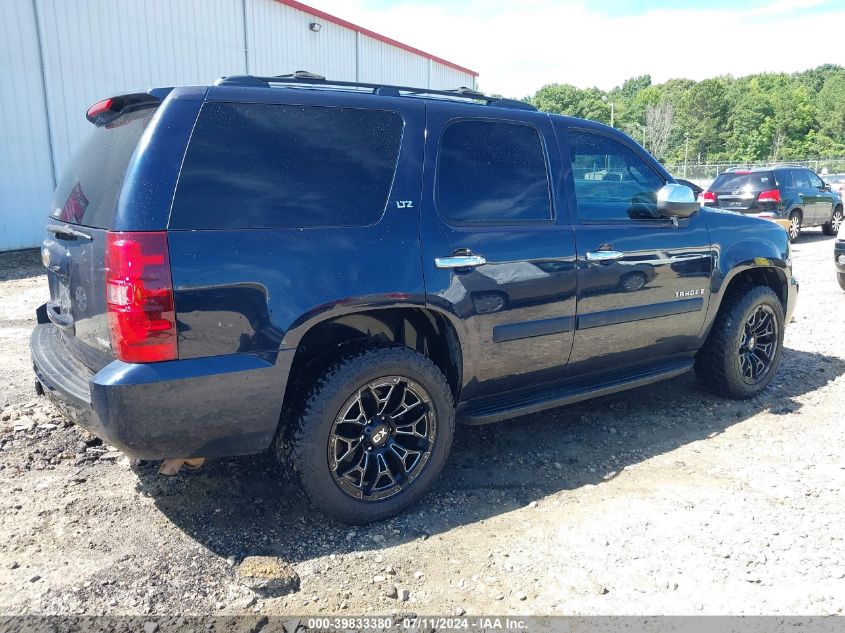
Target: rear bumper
column 202, row 407
column 839, row 256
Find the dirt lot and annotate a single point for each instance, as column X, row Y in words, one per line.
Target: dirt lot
column 662, row 500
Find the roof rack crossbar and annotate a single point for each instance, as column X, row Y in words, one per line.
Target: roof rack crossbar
column 307, row 78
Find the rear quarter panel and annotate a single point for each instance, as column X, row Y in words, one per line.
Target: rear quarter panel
column 259, row 290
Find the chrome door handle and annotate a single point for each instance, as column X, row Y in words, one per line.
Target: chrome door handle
column 459, row 261
column 604, row 256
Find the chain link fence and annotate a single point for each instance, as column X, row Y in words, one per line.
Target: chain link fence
column 706, row 172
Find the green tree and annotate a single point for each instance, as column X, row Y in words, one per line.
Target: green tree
column 767, row 116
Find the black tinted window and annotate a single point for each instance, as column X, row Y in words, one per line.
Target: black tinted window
column 273, row 166
column 754, row 181
column 612, row 183
column 492, row 172
column 90, row 187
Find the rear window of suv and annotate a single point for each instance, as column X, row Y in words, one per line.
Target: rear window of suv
column 90, row 187
column 754, row 181
column 286, row 166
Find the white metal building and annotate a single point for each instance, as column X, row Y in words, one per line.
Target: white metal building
column 57, row 57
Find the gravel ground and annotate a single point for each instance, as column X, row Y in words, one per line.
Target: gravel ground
column 663, row 500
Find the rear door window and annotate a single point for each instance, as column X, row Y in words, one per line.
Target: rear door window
column 801, row 178
column 286, row 166
column 90, row 186
column 492, row 172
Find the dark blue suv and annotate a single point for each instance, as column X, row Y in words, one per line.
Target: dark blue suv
column 339, row 272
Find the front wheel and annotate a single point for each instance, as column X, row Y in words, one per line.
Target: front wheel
column 794, row 229
column 832, row 227
column 742, row 353
column 840, row 277
column 371, row 435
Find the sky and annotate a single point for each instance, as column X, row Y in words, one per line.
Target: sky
column 517, row 46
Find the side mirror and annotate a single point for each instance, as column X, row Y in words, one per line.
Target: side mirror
column 825, row 186
column 676, row 201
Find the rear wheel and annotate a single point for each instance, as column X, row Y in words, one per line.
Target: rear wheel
column 794, row 229
column 832, row 227
column 371, row 435
column 743, row 351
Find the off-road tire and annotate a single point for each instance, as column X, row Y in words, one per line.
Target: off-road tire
column 718, row 362
column 303, row 439
column 832, row 227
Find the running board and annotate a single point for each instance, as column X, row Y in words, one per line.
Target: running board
column 522, row 403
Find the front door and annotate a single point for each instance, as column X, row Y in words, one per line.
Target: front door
column 643, row 281
column 496, row 256
column 822, row 199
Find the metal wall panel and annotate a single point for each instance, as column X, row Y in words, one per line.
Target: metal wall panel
column 26, row 181
column 446, row 78
column 279, row 41
column 92, row 49
column 97, row 48
column 384, row 63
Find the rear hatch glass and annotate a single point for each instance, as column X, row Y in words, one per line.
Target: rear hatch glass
column 90, row 187
column 87, row 198
column 739, row 191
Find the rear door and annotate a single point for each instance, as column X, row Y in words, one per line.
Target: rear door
column 643, row 281
column 498, row 253
column 82, row 209
column 807, row 194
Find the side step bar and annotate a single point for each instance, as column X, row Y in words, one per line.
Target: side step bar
column 513, row 405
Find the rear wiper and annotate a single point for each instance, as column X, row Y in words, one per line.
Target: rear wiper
column 67, row 231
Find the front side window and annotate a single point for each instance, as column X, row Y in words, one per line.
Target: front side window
column 612, row 183
column 492, row 172
column 815, row 181
column 286, row 166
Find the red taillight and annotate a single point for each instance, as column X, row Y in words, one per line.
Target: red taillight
column 773, row 195
column 139, row 295
column 100, row 111
column 709, row 196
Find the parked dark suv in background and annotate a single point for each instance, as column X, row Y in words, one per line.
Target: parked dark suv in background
column 341, row 271
column 792, row 196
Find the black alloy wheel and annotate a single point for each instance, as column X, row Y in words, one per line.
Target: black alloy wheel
column 759, row 343
column 382, row 438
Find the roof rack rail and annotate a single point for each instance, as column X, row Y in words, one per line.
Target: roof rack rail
column 303, row 77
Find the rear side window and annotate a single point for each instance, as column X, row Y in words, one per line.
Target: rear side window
column 757, row 181
column 492, row 172
column 90, row 187
column 286, row 166
column 612, row 183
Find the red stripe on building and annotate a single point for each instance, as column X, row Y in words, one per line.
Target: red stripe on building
column 376, row 36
